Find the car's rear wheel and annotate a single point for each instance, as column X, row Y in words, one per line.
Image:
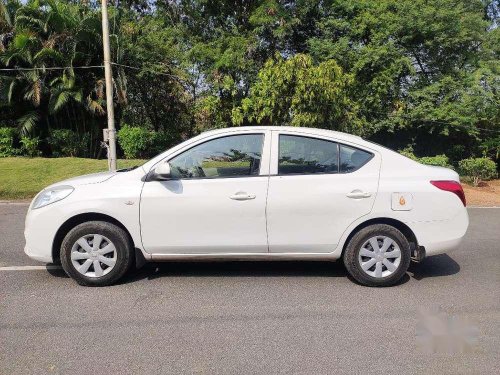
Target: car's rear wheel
column 377, row 255
column 96, row 253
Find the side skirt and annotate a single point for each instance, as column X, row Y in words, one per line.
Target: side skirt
column 213, row 257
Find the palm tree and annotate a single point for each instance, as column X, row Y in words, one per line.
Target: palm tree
column 48, row 34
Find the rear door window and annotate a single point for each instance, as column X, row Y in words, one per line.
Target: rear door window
column 305, row 155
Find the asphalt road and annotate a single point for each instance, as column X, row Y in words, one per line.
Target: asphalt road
column 249, row 318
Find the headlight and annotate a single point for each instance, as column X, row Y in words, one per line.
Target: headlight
column 52, row 195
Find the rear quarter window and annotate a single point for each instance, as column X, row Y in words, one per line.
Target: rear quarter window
column 352, row 158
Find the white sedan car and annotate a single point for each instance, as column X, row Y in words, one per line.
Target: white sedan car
column 253, row 193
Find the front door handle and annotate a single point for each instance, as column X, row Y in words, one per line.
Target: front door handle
column 242, row 196
column 358, row 194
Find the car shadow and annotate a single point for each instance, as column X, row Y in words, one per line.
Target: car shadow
column 153, row 271
column 435, row 266
column 56, row 270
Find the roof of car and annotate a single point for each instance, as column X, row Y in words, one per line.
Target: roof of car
column 287, row 128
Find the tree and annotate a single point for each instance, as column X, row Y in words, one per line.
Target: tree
column 46, row 35
column 158, row 88
column 296, row 92
column 401, row 72
column 426, row 70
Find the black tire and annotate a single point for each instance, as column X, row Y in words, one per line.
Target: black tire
column 119, row 238
column 353, row 248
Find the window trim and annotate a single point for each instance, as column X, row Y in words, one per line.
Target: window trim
column 372, row 155
column 263, row 134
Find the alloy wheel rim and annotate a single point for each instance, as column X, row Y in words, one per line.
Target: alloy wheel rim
column 379, row 257
column 93, row 255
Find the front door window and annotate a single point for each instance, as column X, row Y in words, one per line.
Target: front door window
column 231, row 156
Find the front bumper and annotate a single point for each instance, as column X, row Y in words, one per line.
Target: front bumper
column 37, row 256
column 40, row 229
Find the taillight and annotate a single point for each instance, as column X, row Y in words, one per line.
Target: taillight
column 451, row 186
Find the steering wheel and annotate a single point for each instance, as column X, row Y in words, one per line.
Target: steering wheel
column 200, row 171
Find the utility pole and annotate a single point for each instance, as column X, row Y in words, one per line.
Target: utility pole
column 109, row 88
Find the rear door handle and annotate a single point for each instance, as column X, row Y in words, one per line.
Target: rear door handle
column 242, row 196
column 358, row 194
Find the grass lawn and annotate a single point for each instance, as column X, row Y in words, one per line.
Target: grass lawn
column 22, row 178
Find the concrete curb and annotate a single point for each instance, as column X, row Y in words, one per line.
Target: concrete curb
column 483, row 206
column 18, row 202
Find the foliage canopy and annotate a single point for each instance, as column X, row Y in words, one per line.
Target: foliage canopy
column 401, row 72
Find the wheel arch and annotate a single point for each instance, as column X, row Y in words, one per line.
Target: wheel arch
column 402, row 227
column 79, row 219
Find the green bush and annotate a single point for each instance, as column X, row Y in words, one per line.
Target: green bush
column 478, row 169
column 65, row 142
column 438, row 160
column 408, row 152
column 29, row 146
column 135, row 141
column 161, row 142
column 7, row 142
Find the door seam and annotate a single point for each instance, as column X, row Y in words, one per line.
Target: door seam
column 270, row 134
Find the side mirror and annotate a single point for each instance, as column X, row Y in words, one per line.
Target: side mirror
column 162, row 171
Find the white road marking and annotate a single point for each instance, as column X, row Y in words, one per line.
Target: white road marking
column 29, row 268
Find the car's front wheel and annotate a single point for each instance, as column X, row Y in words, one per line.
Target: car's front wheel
column 378, row 255
column 96, row 253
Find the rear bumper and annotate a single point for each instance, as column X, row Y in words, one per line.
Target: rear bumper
column 438, row 237
column 436, row 248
